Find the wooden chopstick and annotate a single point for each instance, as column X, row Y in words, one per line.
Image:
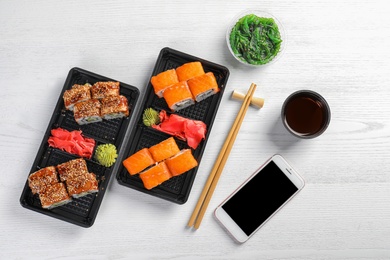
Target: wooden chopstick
column 205, row 197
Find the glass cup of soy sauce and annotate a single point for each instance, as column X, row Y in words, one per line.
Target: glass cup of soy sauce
column 305, row 114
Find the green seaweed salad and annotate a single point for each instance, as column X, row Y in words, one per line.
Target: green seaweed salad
column 255, row 40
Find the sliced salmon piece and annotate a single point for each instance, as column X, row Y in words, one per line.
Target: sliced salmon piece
column 178, row 96
column 164, row 149
column 139, row 161
column 189, row 70
column 203, row 86
column 182, row 162
column 155, row 175
column 163, row 80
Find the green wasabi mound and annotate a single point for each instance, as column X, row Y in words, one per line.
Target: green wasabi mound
column 106, row 154
column 255, row 40
column 150, row 117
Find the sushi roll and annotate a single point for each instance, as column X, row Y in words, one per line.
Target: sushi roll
column 72, row 169
column 181, row 162
column 42, row 178
column 178, row 96
column 189, row 70
column 101, row 90
column 155, row 175
column 54, row 195
column 82, row 185
column 203, row 86
column 163, row 80
column 139, row 161
column 114, row 107
column 87, row 112
column 78, row 93
column 164, row 149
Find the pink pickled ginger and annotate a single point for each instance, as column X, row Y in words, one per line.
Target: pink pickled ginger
column 72, row 142
column 192, row 131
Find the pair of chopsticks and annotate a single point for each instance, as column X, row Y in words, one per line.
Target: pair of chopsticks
column 205, row 197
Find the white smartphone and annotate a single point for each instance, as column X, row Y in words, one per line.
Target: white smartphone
column 255, row 201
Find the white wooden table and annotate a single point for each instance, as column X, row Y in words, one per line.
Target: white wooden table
column 337, row 48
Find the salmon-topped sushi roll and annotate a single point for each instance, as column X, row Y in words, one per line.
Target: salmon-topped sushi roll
column 77, row 93
column 164, row 149
column 178, row 96
column 155, row 175
column 42, row 178
column 87, row 112
column 189, row 70
column 54, row 195
column 163, row 80
column 114, row 107
column 181, row 162
column 203, row 86
column 104, row 89
column 139, row 161
column 82, row 185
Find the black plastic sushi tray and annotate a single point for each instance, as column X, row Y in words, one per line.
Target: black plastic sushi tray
column 81, row 211
column 176, row 189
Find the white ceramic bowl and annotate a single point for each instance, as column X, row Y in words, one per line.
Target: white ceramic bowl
column 259, row 14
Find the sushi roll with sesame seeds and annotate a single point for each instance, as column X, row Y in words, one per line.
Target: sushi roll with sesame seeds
column 38, row 180
column 87, row 112
column 114, row 107
column 78, row 93
column 72, row 169
column 54, row 195
column 104, row 89
column 82, row 185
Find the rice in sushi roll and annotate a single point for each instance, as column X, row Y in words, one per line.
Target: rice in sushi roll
column 203, row 86
column 79, row 182
column 163, row 80
column 54, row 195
column 164, row 149
column 189, row 70
column 104, row 89
column 181, row 162
column 82, row 185
column 78, row 93
column 155, row 175
column 178, row 96
column 114, row 107
column 87, row 112
column 139, row 161
column 38, row 180
column 72, row 169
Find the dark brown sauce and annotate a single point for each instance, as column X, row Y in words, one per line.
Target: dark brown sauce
column 305, row 115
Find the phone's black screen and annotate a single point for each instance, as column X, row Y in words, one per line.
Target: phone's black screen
column 259, row 198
